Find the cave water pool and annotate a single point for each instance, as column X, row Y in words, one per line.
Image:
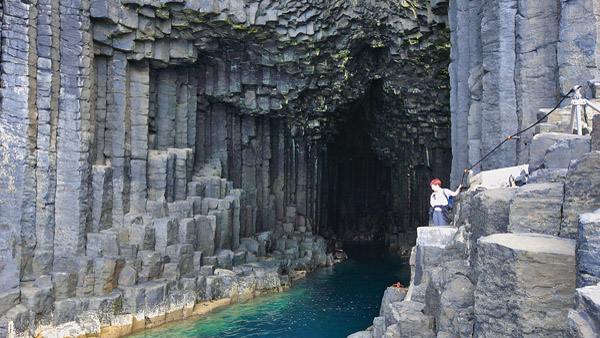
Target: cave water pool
column 330, row 303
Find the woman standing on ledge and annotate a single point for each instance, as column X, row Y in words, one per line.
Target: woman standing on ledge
column 440, row 200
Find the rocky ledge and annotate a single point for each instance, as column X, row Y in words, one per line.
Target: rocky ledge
column 519, row 262
column 50, row 307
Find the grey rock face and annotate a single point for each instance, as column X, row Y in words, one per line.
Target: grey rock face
column 102, row 198
column 391, row 295
column 495, row 70
column 556, row 150
column 536, row 208
column 588, row 249
column 488, row 214
column 584, row 320
column 595, row 135
column 582, row 192
column 525, row 284
column 576, row 48
column 166, row 231
column 406, row 319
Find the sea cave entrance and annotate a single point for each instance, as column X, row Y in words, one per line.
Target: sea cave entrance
column 360, row 195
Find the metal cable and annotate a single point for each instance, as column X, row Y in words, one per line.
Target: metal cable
column 513, row 136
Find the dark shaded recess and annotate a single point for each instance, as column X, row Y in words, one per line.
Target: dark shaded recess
column 359, row 184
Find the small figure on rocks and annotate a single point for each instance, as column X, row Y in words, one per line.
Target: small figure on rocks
column 440, row 202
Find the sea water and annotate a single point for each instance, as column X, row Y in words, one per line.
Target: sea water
column 331, row 302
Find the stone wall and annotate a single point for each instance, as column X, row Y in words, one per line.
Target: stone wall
column 509, row 59
column 143, row 141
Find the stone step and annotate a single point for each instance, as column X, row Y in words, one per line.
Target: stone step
column 536, row 208
column 559, row 115
column 496, row 178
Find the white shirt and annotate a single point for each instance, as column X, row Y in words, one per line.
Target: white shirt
column 438, row 199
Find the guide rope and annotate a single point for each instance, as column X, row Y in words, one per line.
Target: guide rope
column 516, row 136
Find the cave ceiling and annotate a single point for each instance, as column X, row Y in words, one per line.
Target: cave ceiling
column 307, row 61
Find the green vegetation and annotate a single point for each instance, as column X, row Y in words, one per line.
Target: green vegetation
column 412, row 5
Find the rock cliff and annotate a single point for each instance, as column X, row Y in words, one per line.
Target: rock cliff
column 159, row 154
column 509, row 59
column 520, row 261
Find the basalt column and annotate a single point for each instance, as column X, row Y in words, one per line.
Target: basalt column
column 72, row 210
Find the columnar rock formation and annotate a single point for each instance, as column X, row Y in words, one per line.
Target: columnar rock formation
column 509, row 59
column 144, row 140
column 519, row 261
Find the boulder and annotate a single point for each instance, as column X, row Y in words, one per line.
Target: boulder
column 455, row 313
column 143, row 236
column 220, row 286
column 431, row 242
column 548, row 175
column 183, row 255
column 525, row 284
column 128, row 276
column 497, row 178
column 151, row 265
column 556, row 150
column 155, row 302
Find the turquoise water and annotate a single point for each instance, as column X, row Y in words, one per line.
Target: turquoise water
column 330, row 302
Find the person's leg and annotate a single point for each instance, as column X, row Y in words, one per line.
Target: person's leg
column 437, row 217
column 444, row 217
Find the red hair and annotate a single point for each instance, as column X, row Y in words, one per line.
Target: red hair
column 436, row 182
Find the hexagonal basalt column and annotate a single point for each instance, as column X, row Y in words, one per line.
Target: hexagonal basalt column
column 525, row 285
